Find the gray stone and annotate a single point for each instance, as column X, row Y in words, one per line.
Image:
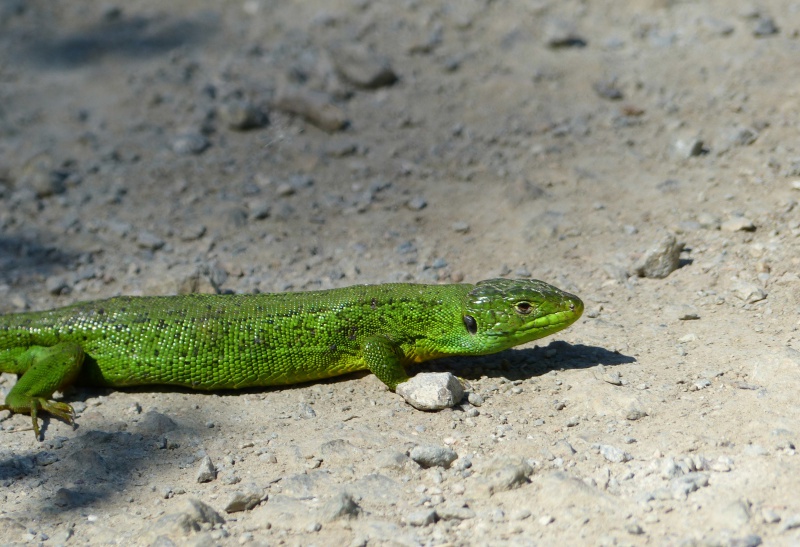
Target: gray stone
column 192, row 232
column 768, row 516
column 682, row 312
column 669, row 469
column 206, row 472
column 230, row 478
column 733, row 515
column 362, row 67
column 190, row 143
column 562, row 33
column 43, row 176
column 192, row 517
column 259, row 208
column 634, row 529
column 305, row 410
column 57, row 285
column 376, row 489
column 245, row 499
column 738, row 224
column 748, row 291
column 460, row 227
column 765, row 26
column 241, row 115
column 742, row 136
column 306, row 485
column 314, row 106
column 391, row 459
column 508, row 476
column 614, row 454
column 681, row 487
column 433, row 456
column 454, row 511
column 790, row 523
column 432, row 391
column 197, row 281
column 417, row 203
column 662, row 259
column 687, row 147
column 340, row 506
column 148, row 240
column 423, row 517
column 608, row 89
column 340, row 451
column 155, row 423
column 708, row 221
column 750, row 540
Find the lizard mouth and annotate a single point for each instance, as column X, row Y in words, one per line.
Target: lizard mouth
column 569, row 311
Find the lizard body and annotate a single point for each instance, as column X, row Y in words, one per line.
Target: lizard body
column 209, row 342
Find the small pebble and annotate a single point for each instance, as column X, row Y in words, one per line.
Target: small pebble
column 190, row 143
column 241, row 115
column 362, row 67
column 701, row 384
column 769, row 516
column 507, row 476
column 749, row 292
column 423, row 517
column 738, row 224
column 340, row 506
column 206, row 471
column 244, row 500
column 57, row 285
column 416, row 203
column 661, row 259
column 751, row 540
column 315, row 107
column 561, row 33
column 520, row 514
column 765, row 26
column 432, row 391
column 608, row 90
column 148, row 240
column 614, row 454
column 742, row 136
column 790, row 523
column 454, row 511
column 634, row 529
column 688, row 147
column 433, row 456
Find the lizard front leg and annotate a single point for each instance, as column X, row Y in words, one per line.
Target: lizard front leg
column 43, row 370
column 385, row 360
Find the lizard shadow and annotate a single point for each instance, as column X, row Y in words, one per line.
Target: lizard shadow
column 94, row 466
column 97, row 465
column 525, row 363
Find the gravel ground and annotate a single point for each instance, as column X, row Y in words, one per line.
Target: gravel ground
column 641, row 154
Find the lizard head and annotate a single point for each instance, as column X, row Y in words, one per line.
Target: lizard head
column 502, row 313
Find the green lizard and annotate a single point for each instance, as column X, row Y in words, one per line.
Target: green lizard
column 211, row 342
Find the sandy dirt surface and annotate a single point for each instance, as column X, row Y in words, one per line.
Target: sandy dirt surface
column 261, row 146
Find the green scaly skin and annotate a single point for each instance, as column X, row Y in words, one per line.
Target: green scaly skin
column 209, row 342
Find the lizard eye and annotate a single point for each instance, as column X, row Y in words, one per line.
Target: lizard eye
column 523, row 307
column 471, row 324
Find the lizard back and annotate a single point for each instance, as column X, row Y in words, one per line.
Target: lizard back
column 229, row 341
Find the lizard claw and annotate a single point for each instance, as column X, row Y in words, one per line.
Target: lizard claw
column 60, row 410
